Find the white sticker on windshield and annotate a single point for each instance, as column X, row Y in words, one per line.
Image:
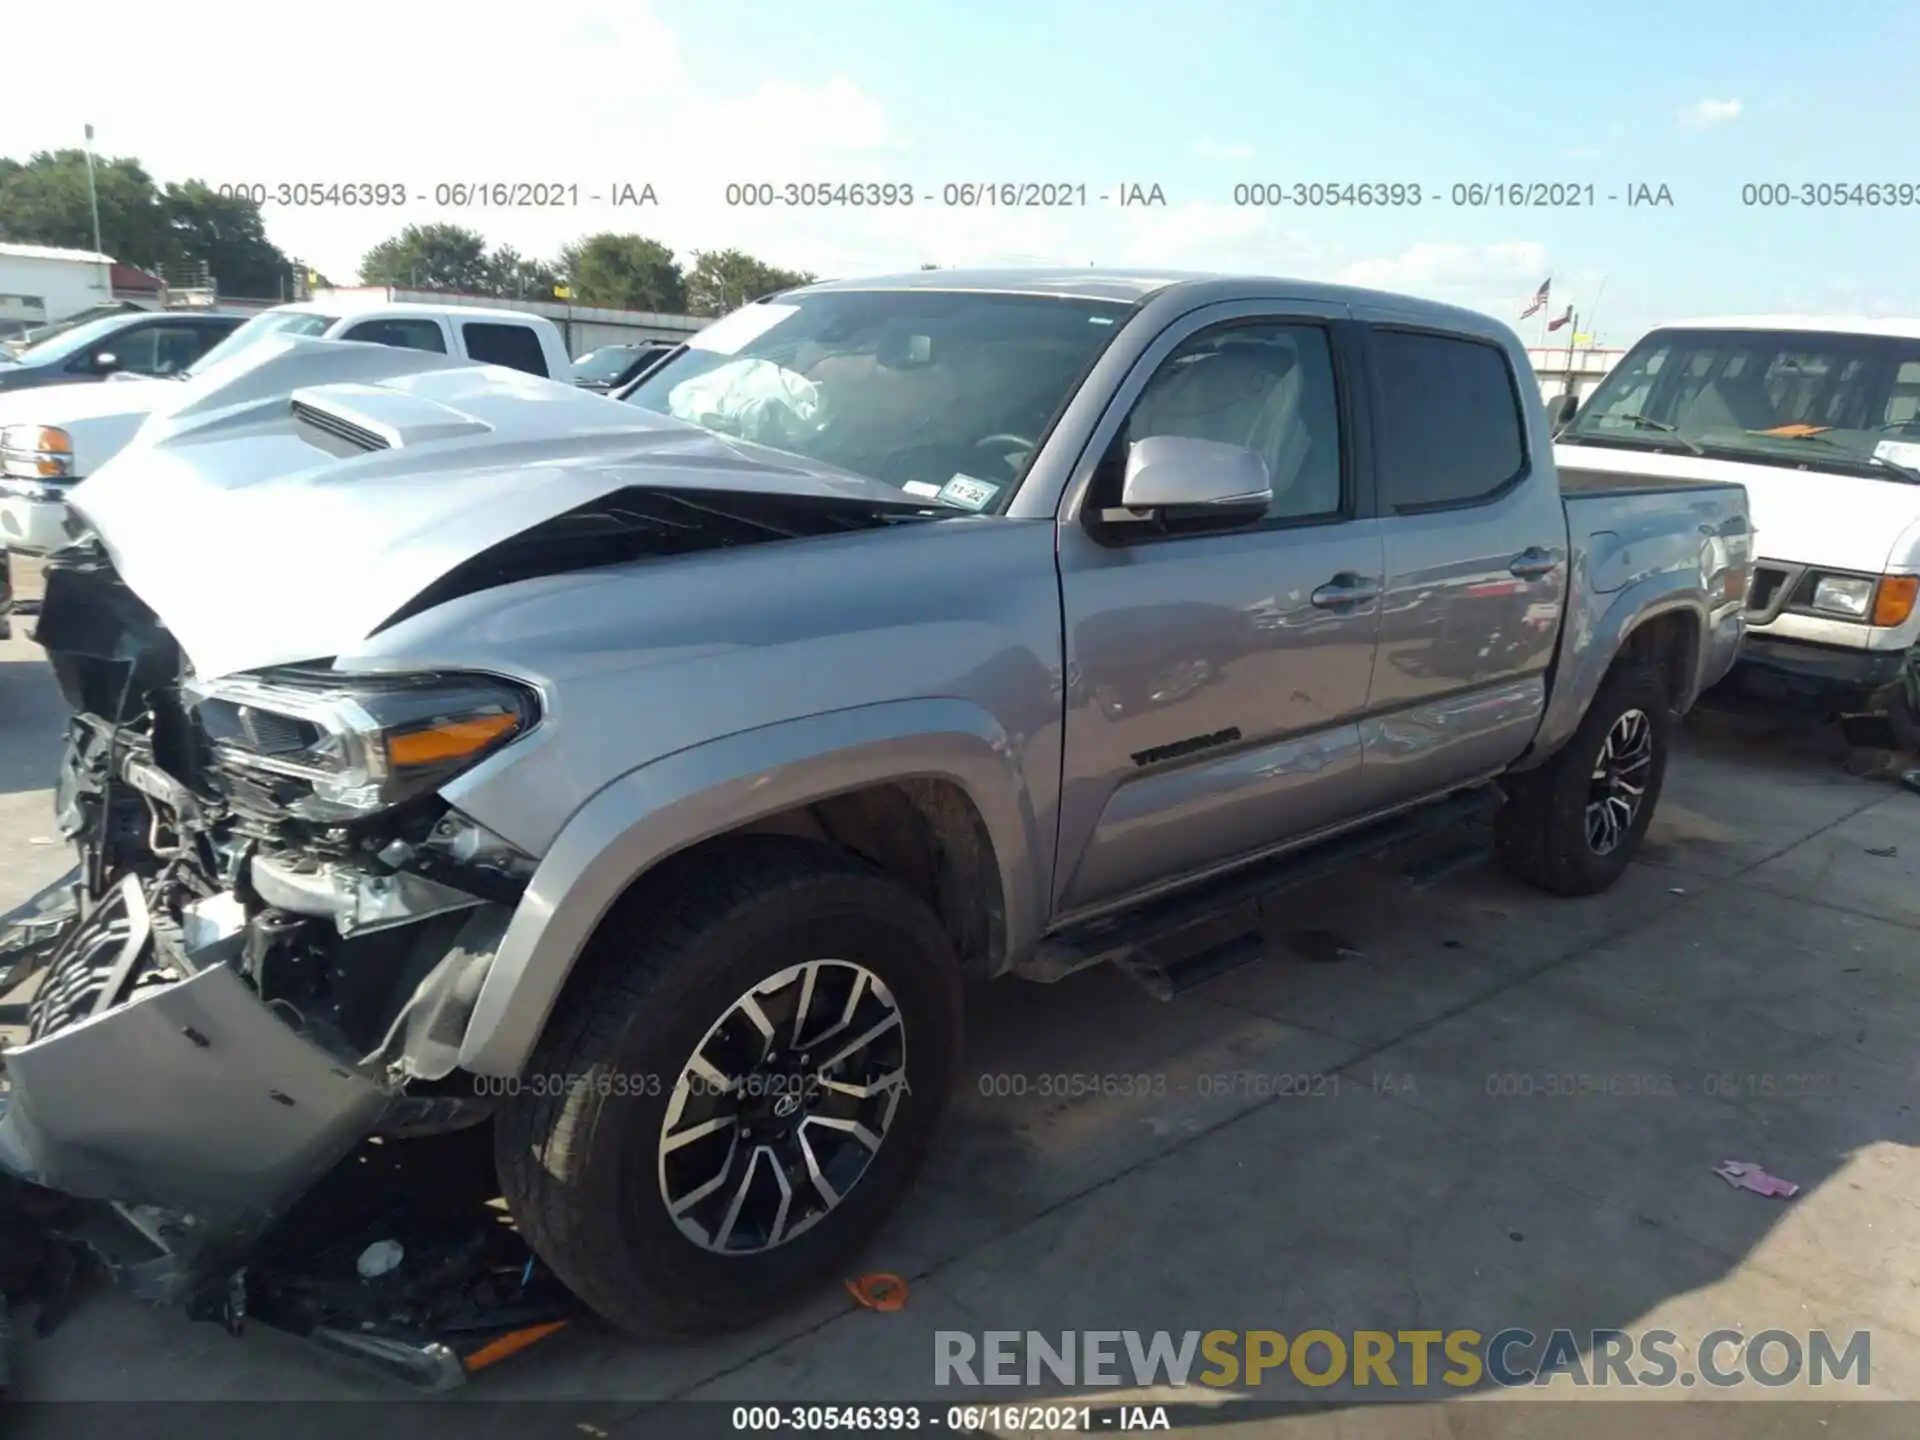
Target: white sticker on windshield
column 966, row 493
column 922, row 489
column 731, row 333
column 1899, row 452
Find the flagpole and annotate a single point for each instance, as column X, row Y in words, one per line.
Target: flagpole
column 1572, row 385
column 93, row 196
column 1594, row 335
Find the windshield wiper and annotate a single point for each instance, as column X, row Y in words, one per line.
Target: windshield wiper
column 1905, row 472
column 1649, row 423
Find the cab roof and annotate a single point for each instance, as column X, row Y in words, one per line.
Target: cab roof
column 346, row 304
column 1138, row 286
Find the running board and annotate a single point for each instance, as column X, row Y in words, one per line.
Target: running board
column 1128, row 938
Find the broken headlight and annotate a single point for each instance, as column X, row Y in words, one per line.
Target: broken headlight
column 357, row 745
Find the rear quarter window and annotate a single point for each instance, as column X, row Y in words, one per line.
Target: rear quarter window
column 1451, row 430
column 515, row 346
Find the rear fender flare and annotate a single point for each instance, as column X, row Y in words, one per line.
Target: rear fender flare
column 709, row 789
column 1592, row 642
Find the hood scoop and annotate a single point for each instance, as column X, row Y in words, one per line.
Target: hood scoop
column 372, row 417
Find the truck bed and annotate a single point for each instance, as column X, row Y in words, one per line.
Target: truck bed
column 1632, row 527
column 1584, row 483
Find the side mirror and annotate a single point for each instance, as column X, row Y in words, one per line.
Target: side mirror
column 1561, row 412
column 1186, row 484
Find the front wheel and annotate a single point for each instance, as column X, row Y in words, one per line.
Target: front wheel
column 1902, row 702
column 737, row 1090
column 1573, row 825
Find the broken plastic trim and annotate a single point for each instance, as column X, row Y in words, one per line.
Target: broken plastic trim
column 357, row 901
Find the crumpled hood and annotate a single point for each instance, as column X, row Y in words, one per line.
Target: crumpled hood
column 1804, row 517
column 250, row 516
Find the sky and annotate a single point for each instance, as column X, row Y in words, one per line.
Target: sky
column 1196, row 98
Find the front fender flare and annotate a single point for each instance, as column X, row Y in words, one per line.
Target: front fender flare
column 692, row 795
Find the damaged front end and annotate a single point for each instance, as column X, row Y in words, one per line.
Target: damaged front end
column 273, row 940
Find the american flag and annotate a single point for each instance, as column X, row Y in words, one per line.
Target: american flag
column 1539, row 301
column 1566, row 319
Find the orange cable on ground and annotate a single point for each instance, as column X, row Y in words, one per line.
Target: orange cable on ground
column 882, row 1290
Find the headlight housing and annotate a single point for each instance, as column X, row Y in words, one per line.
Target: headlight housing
column 357, row 745
column 1851, row 596
column 36, row 452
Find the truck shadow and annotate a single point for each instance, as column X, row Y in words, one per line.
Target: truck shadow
column 1471, row 1106
column 32, row 717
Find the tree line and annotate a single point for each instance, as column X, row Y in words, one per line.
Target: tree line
column 43, row 201
column 620, row 271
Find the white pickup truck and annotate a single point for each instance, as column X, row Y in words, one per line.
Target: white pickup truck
column 1819, row 418
column 55, row 436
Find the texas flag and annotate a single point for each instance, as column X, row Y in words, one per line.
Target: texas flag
column 1566, row 319
column 1539, row 301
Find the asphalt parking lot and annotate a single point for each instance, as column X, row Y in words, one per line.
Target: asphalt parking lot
column 1472, row 1157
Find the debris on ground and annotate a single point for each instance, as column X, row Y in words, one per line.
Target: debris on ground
column 1885, row 852
column 39, row 1267
column 380, row 1257
column 1745, row 1175
column 1911, row 781
column 1322, row 947
column 881, row 1290
column 397, row 1260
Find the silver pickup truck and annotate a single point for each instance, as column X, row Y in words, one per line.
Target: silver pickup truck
column 643, row 776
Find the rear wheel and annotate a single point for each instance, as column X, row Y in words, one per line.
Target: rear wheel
column 1573, row 825
column 737, row 1089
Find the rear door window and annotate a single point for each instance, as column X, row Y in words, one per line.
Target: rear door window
column 1451, row 431
column 402, row 334
column 515, row 346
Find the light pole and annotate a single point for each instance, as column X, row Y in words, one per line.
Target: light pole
column 93, row 195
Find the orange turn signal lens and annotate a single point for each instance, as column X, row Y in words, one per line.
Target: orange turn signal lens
column 1893, row 600
column 453, row 740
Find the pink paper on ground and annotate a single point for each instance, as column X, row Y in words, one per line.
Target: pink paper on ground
column 1745, row 1175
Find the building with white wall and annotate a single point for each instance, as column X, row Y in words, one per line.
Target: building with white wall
column 1579, row 369
column 40, row 284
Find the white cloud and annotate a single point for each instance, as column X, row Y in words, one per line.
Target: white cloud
column 1704, row 113
column 610, row 101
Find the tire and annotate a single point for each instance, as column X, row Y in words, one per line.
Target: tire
column 1902, row 702
column 584, row 1167
column 1542, row 832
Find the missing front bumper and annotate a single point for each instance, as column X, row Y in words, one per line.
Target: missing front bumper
column 191, row 1097
column 218, row 1147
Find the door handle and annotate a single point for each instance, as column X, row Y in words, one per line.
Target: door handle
column 1345, row 588
column 1533, row 563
